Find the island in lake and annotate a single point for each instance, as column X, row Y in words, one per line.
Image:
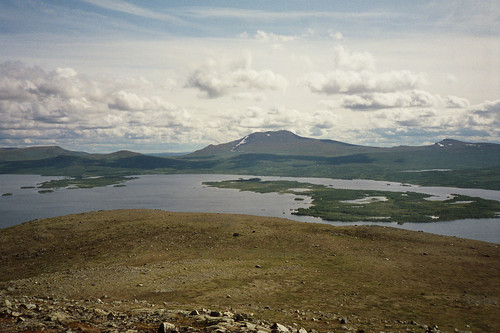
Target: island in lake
column 368, row 205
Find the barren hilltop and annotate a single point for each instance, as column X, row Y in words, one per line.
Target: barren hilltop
column 141, row 270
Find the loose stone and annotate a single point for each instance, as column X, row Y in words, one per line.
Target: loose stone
column 278, row 328
column 166, row 327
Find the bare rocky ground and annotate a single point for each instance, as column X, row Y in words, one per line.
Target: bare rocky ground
column 28, row 314
column 150, row 270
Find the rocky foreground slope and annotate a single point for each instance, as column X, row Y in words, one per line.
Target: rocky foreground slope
column 150, row 270
column 28, row 314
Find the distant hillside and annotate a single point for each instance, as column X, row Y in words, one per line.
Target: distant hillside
column 456, row 144
column 34, row 153
column 117, row 154
column 48, row 152
column 287, row 143
column 279, row 143
column 282, row 153
column 168, row 154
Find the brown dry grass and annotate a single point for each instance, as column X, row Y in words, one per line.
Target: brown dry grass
column 375, row 276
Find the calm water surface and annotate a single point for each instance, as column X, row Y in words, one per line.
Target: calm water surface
column 185, row 193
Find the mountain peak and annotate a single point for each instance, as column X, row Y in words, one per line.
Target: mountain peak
column 451, row 143
column 280, row 142
column 263, row 138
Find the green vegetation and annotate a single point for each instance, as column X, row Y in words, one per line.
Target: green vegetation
column 259, row 186
column 363, row 205
column 85, row 182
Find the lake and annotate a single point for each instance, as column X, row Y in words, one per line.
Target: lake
column 185, row 193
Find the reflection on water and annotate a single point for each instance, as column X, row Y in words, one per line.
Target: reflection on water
column 187, row 194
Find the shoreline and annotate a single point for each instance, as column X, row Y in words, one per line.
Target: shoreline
column 190, row 195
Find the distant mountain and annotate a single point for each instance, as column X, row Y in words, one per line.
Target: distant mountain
column 35, row 153
column 56, row 161
column 168, row 154
column 118, row 154
column 48, row 152
column 289, row 144
column 280, row 143
column 272, row 143
column 281, row 153
column 456, row 144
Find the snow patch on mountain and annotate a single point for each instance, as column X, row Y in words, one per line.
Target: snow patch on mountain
column 242, row 142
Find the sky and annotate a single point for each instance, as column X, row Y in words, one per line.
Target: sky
column 175, row 76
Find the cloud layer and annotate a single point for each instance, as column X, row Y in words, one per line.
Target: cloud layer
column 340, row 96
column 64, row 106
column 166, row 75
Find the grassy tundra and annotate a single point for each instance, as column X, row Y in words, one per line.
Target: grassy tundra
column 309, row 274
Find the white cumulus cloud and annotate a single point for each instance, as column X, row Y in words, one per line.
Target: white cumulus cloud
column 216, row 79
column 354, row 82
column 398, row 99
column 62, row 105
column 355, row 73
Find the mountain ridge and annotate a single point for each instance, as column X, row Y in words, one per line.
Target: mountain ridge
column 285, row 142
column 35, row 153
column 281, row 142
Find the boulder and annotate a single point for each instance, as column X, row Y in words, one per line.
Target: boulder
column 100, row 312
column 167, row 327
column 59, row 317
column 215, row 314
column 29, row 306
column 278, row 328
column 250, row 326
